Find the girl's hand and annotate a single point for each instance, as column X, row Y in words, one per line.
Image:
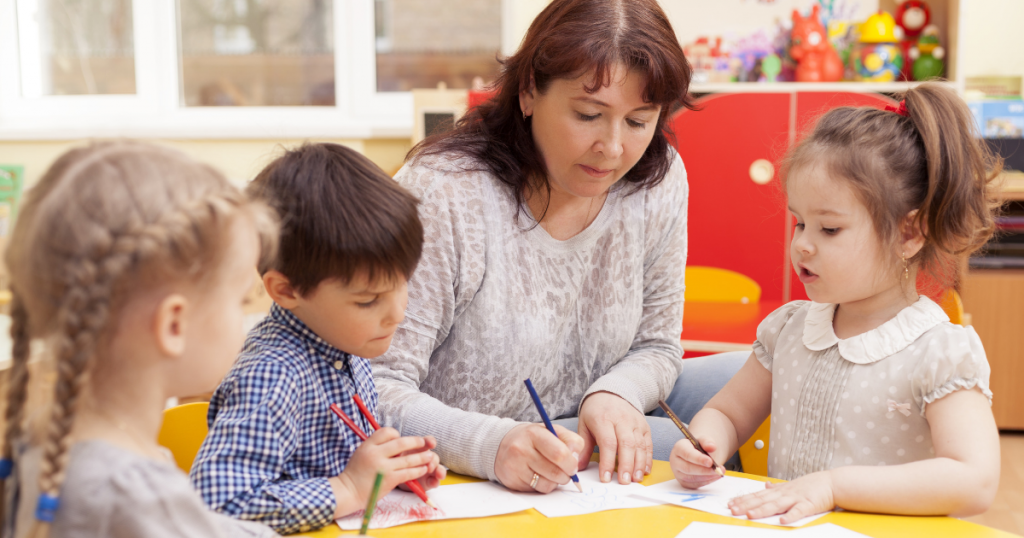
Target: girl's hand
column 619, row 430
column 691, row 468
column 806, row 496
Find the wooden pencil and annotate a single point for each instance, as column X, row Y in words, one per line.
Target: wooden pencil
column 690, row 437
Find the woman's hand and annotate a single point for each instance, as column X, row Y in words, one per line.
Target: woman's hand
column 808, row 495
column 530, row 449
column 691, row 468
column 618, row 429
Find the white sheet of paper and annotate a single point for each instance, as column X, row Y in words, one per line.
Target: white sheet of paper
column 700, row 529
column 596, row 497
column 714, row 497
column 826, row 530
column 478, row 499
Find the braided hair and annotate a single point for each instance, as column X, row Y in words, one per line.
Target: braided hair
column 104, row 221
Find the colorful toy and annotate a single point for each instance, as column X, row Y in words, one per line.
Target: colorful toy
column 877, row 56
column 912, row 17
column 927, row 55
column 817, row 60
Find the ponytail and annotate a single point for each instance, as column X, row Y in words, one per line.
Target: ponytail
column 957, row 214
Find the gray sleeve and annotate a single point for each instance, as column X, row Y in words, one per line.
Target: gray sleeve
column 449, row 273
column 650, row 368
column 157, row 502
column 769, row 329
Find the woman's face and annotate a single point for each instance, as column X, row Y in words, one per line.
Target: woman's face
column 590, row 140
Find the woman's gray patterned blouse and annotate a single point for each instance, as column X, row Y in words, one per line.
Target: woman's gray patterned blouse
column 495, row 301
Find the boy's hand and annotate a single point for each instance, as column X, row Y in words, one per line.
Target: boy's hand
column 691, row 468
column 435, row 473
column 805, row 496
column 400, row 459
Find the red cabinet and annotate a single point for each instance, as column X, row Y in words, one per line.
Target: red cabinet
column 735, row 222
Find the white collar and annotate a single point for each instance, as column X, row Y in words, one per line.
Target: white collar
column 888, row 338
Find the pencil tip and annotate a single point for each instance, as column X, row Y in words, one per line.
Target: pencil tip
column 431, row 504
column 720, row 471
column 579, row 487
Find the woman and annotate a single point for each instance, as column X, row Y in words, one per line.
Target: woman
column 555, row 225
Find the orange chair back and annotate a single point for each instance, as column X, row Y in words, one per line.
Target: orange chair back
column 716, row 285
column 183, row 431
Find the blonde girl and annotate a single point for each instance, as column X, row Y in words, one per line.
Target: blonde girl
column 131, row 262
column 878, row 402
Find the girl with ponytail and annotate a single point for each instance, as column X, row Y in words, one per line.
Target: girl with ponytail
column 131, row 263
column 878, row 403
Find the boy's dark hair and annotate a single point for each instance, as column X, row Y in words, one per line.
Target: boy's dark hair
column 340, row 214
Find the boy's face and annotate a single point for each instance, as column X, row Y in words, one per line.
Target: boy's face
column 359, row 317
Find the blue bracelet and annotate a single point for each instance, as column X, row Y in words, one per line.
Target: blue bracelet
column 6, row 467
column 47, row 507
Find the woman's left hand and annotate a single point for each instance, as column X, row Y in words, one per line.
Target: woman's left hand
column 806, row 496
column 617, row 428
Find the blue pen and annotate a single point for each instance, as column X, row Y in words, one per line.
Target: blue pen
column 547, row 422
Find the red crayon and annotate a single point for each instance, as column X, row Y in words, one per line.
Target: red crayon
column 413, row 485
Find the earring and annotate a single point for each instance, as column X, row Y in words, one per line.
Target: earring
column 524, row 115
column 906, row 269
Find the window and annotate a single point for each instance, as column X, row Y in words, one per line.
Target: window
column 420, row 43
column 239, row 68
column 76, row 47
column 257, row 53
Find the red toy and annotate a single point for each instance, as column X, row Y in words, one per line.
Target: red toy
column 817, row 60
column 912, row 17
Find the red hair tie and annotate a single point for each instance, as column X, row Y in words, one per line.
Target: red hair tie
column 901, row 110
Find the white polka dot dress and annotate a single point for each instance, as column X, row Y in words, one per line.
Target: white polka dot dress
column 860, row 401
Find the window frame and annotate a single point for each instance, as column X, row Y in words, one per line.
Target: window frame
column 157, row 109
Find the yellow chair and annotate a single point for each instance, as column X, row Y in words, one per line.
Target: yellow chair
column 754, row 453
column 715, row 285
column 183, row 431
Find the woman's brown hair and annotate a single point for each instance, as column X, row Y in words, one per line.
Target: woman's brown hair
column 103, row 222
column 572, row 38
column 929, row 160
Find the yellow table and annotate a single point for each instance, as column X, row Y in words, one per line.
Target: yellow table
column 663, row 521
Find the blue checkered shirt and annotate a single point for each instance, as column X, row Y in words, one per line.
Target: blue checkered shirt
column 273, row 440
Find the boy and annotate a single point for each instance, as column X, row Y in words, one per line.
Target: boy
column 350, row 239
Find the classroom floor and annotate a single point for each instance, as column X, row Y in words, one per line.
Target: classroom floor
column 1007, row 511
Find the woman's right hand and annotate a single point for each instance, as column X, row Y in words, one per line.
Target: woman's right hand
column 691, row 468
column 530, row 448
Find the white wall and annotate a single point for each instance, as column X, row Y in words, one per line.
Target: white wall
column 993, row 39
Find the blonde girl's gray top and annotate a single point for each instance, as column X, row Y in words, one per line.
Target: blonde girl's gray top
column 110, row 492
column 862, row 400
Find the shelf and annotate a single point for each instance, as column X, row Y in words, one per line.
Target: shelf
column 1011, row 186
column 786, row 87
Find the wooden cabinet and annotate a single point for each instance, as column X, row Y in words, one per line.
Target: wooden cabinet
column 736, row 222
column 995, row 300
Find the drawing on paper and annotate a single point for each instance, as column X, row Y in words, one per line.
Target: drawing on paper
column 395, row 510
column 687, row 497
column 595, row 498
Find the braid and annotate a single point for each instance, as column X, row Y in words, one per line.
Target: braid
column 104, row 222
column 17, row 391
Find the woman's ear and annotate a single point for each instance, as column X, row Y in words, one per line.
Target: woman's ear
column 170, row 324
column 526, row 100
column 911, row 235
column 280, row 289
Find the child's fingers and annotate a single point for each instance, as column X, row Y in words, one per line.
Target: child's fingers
column 403, row 445
column 401, row 476
column 799, row 511
column 421, row 459
column 382, row 436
